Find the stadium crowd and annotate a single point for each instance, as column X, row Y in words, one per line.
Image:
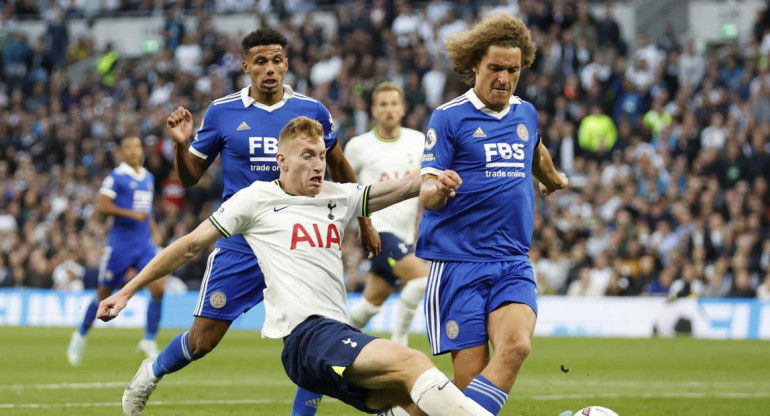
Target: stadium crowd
column 665, row 141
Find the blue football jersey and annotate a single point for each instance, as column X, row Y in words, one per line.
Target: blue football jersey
column 491, row 217
column 244, row 133
column 133, row 191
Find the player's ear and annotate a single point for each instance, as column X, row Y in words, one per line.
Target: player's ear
column 245, row 66
column 281, row 159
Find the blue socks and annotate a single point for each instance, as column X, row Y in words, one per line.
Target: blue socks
column 175, row 356
column 305, row 403
column 153, row 318
column 489, row 396
column 88, row 319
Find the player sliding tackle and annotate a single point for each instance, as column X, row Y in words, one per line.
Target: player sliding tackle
column 295, row 227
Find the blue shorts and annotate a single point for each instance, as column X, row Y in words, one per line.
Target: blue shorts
column 393, row 250
column 116, row 261
column 233, row 284
column 316, row 354
column 461, row 295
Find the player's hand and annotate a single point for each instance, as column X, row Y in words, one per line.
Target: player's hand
column 447, row 183
column 370, row 238
column 180, row 125
column 561, row 183
column 111, row 307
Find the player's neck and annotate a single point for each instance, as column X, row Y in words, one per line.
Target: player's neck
column 388, row 135
column 266, row 99
column 136, row 168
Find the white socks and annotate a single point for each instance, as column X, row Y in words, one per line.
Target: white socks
column 407, row 306
column 363, row 312
column 436, row 395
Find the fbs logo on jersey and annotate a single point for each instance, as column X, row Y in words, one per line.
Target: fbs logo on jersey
column 243, row 126
column 479, row 133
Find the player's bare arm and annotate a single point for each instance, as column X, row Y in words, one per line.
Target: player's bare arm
column 542, row 167
column 165, row 262
column 107, row 206
column 189, row 167
column 341, row 171
column 436, row 190
column 386, row 193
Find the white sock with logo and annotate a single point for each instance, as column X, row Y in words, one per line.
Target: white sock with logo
column 363, row 312
column 407, row 306
column 435, row 394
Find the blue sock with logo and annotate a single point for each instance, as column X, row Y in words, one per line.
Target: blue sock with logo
column 88, row 319
column 489, row 396
column 153, row 318
column 305, row 403
column 174, row 357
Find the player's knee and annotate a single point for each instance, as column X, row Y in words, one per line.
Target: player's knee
column 515, row 351
column 413, row 363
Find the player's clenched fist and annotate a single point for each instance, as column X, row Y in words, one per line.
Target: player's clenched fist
column 447, row 182
column 180, row 125
column 111, row 307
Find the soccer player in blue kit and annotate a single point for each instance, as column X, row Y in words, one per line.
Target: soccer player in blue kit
column 242, row 128
column 126, row 194
column 480, row 151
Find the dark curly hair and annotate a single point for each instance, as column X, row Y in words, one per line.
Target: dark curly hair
column 261, row 37
column 466, row 49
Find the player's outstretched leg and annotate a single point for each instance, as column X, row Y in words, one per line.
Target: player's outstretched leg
column 381, row 363
column 305, row 403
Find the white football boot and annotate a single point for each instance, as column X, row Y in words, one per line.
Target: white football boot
column 139, row 389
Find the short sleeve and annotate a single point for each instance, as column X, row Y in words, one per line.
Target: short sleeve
column 327, row 122
column 208, row 140
column 358, row 199
column 109, row 187
column 439, row 145
column 236, row 214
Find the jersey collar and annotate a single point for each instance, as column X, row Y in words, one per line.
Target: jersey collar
column 476, row 101
column 128, row 170
column 249, row 101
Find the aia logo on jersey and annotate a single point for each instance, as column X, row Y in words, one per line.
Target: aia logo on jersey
column 300, row 235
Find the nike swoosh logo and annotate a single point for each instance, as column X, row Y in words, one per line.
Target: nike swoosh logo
column 441, row 387
column 276, row 209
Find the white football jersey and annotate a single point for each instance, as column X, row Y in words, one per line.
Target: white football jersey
column 297, row 240
column 374, row 160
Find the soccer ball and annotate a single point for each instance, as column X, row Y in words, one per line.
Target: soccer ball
column 595, row 411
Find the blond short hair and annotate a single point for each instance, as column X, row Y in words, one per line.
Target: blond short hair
column 466, row 49
column 298, row 127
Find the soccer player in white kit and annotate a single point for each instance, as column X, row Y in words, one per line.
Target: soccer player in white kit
column 390, row 151
column 295, row 227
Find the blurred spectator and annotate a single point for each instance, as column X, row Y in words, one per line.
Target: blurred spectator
column 68, row 274
column 597, row 134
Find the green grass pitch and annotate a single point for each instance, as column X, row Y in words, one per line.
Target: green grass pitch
column 244, row 376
